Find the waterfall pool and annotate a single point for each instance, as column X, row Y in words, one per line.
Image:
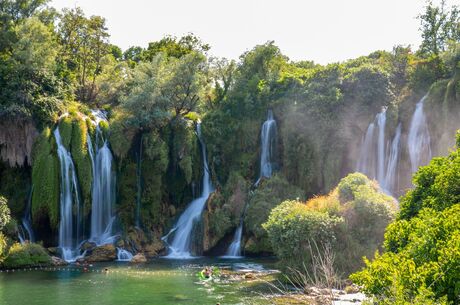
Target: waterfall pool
column 161, row 281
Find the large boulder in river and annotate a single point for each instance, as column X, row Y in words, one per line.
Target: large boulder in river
column 57, row 261
column 88, row 246
column 105, row 253
column 139, row 258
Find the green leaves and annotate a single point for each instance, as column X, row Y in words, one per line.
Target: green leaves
column 421, row 264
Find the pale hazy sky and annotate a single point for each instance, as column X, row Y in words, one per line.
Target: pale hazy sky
column 322, row 30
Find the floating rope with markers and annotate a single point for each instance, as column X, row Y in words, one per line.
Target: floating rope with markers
column 145, row 272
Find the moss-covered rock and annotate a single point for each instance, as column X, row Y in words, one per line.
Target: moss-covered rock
column 82, row 160
column 26, row 255
column 105, row 253
column 45, row 178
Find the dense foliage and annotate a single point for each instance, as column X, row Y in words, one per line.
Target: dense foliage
column 350, row 220
column 421, row 262
column 55, row 66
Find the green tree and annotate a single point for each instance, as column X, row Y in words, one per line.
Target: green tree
column 438, row 27
column 174, row 47
column 164, row 88
column 30, row 88
column 84, row 45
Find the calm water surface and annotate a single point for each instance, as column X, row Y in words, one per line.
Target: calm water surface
column 159, row 282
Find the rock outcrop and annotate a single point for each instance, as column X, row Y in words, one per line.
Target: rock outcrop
column 16, row 142
column 105, row 253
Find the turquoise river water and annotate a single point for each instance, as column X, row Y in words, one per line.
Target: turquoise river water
column 161, row 281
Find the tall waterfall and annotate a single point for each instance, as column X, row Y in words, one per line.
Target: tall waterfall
column 268, row 146
column 391, row 173
column 381, row 119
column 418, row 141
column 268, row 141
column 103, row 190
column 25, row 231
column 373, row 160
column 70, row 226
column 366, row 161
column 180, row 246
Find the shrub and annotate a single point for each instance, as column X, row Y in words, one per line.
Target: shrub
column 26, row 255
column 267, row 196
column 5, row 216
column 351, row 221
column 293, row 228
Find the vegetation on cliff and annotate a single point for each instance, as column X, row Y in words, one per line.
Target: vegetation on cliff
column 55, row 66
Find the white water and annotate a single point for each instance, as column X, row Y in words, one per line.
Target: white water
column 268, row 141
column 374, row 160
column 391, row 172
column 25, row 230
column 381, row 119
column 234, row 250
column 366, row 161
column 124, row 255
column 418, row 141
column 180, row 246
column 102, row 191
column 70, row 226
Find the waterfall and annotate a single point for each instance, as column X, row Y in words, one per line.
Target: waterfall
column 25, row 231
column 381, row 119
column 124, row 255
column 391, row 172
column 372, row 156
column 268, row 145
column 180, row 246
column 234, row 250
column 103, row 190
column 268, row 141
column 418, row 141
column 366, row 161
column 70, row 226
column 373, row 159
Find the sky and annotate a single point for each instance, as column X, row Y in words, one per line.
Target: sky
column 324, row 31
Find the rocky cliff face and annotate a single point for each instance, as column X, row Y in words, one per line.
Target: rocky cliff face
column 16, row 141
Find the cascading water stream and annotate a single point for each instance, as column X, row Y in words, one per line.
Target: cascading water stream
column 418, row 140
column 25, row 231
column 268, row 141
column 393, row 159
column 381, row 122
column 180, row 247
column 234, row 250
column 124, row 255
column 70, row 226
column 103, row 190
column 366, row 161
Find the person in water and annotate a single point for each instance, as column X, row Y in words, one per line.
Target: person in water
column 206, row 273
